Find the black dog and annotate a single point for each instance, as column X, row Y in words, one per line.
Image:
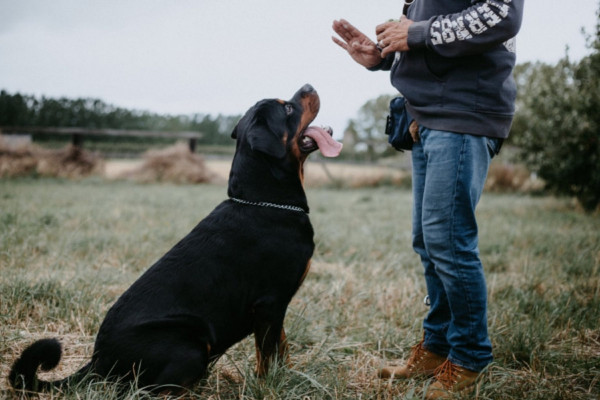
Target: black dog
column 234, row 274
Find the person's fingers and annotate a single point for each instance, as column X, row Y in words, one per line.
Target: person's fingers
column 342, row 32
column 349, row 31
column 338, row 27
column 392, row 49
column 388, row 30
column 364, row 48
column 386, row 51
column 382, row 27
column 340, row 43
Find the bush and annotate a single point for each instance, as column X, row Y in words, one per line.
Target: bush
column 557, row 124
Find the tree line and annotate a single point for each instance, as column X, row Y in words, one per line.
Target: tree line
column 25, row 110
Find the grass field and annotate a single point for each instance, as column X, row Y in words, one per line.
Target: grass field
column 68, row 249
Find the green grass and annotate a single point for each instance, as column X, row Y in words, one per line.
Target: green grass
column 68, row 249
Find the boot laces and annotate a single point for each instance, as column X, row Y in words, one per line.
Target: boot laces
column 447, row 374
column 417, row 354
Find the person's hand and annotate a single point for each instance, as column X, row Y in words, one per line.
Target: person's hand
column 393, row 36
column 362, row 49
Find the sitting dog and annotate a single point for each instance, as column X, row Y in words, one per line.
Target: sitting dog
column 233, row 275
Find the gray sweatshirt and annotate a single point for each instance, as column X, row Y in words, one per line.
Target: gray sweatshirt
column 457, row 75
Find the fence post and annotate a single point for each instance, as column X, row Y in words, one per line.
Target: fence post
column 192, row 145
column 77, row 140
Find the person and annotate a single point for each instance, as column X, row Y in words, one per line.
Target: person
column 452, row 61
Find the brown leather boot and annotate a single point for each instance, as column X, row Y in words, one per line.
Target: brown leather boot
column 421, row 362
column 450, row 379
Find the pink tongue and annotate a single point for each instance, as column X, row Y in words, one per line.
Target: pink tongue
column 327, row 146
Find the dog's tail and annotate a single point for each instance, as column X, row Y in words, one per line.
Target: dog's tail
column 44, row 354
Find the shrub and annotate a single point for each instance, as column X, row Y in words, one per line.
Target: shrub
column 557, row 124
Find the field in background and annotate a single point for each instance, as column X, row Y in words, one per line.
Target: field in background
column 68, row 249
column 316, row 173
column 175, row 164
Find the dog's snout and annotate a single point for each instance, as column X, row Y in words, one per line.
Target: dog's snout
column 307, row 89
column 308, row 99
column 304, row 91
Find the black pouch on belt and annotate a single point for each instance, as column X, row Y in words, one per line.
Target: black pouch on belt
column 397, row 125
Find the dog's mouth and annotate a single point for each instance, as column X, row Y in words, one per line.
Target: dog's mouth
column 317, row 138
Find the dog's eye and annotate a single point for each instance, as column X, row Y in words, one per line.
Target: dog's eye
column 289, row 109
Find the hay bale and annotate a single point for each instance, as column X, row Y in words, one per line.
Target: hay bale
column 25, row 159
column 16, row 160
column 69, row 162
column 173, row 164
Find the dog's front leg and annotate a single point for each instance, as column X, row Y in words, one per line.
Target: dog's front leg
column 283, row 353
column 265, row 354
column 269, row 336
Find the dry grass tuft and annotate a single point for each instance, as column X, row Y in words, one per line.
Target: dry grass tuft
column 24, row 159
column 508, row 177
column 172, row 164
column 70, row 162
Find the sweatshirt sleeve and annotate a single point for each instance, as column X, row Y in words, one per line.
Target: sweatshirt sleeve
column 385, row 64
column 474, row 30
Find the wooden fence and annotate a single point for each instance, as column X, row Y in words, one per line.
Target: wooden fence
column 78, row 134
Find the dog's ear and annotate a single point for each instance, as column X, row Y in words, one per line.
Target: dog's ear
column 267, row 136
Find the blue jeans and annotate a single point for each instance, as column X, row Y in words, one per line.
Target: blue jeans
column 449, row 171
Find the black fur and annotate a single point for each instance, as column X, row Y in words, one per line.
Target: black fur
column 44, row 354
column 233, row 275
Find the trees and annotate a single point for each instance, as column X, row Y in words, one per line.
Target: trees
column 15, row 110
column 557, row 125
column 367, row 131
column 24, row 110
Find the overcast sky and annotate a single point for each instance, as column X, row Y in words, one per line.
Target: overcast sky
column 221, row 56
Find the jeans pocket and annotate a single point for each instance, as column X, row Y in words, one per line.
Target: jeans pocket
column 494, row 145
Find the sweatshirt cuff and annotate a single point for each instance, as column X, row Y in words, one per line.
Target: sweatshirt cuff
column 417, row 35
column 377, row 67
column 385, row 64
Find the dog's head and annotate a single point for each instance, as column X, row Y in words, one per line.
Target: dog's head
column 280, row 128
column 274, row 138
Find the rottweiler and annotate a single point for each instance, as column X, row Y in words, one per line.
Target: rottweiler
column 233, row 275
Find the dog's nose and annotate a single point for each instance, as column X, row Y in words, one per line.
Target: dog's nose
column 306, row 89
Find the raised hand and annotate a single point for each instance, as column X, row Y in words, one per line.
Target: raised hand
column 362, row 49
